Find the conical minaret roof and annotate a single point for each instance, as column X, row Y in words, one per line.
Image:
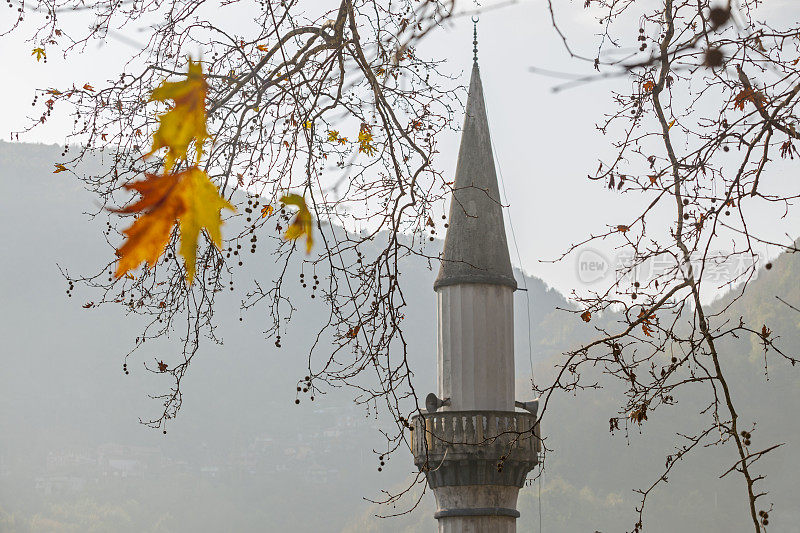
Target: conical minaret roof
column 475, row 247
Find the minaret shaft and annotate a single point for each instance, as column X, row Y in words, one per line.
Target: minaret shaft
column 475, row 354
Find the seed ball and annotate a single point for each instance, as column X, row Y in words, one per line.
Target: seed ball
column 633, row 296
column 725, row 149
column 296, row 401
column 635, row 283
column 718, row 16
column 674, row 359
column 727, row 212
column 714, row 57
column 768, row 266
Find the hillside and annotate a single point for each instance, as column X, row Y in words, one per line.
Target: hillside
column 73, row 456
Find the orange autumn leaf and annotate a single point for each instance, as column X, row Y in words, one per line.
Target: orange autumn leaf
column 186, row 197
column 302, row 223
column 88, row 87
column 263, row 47
column 352, row 332
column 646, row 324
column 186, row 120
column 648, row 86
column 622, row 228
column 586, row 316
column 60, row 168
column 266, row 211
column 747, row 95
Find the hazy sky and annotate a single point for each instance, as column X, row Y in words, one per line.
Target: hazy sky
column 546, row 142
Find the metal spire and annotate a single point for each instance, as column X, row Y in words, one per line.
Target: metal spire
column 475, row 39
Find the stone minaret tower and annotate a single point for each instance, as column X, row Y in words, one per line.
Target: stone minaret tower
column 473, row 447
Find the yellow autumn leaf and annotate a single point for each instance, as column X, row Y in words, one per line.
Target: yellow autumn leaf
column 365, row 140
column 263, row 47
column 266, row 211
column 302, row 223
column 333, row 135
column 60, row 168
column 39, row 53
column 186, row 120
column 203, row 206
column 188, row 198
column 672, row 123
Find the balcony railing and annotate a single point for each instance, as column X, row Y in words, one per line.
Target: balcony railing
column 487, row 434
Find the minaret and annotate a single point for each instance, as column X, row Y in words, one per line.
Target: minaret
column 476, row 450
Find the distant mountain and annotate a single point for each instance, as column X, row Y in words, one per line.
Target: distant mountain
column 242, row 457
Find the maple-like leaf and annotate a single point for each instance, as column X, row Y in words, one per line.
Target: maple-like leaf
column 622, row 228
column 646, row 324
column 746, row 95
column 302, row 223
column 186, row 120
column 39, row 53
column 88, row 87
column 203, row 206
column 365, row 140
column 60, row 168
column 187, row 197
column 648, row 86
column 263, row 47
column 160, row 205
column 162, row 366
column 586, row 316
column 266, row 211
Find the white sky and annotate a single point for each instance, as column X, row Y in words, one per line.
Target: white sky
column 547, row 142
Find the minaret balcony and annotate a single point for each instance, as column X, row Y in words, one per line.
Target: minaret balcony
column 457, row 448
